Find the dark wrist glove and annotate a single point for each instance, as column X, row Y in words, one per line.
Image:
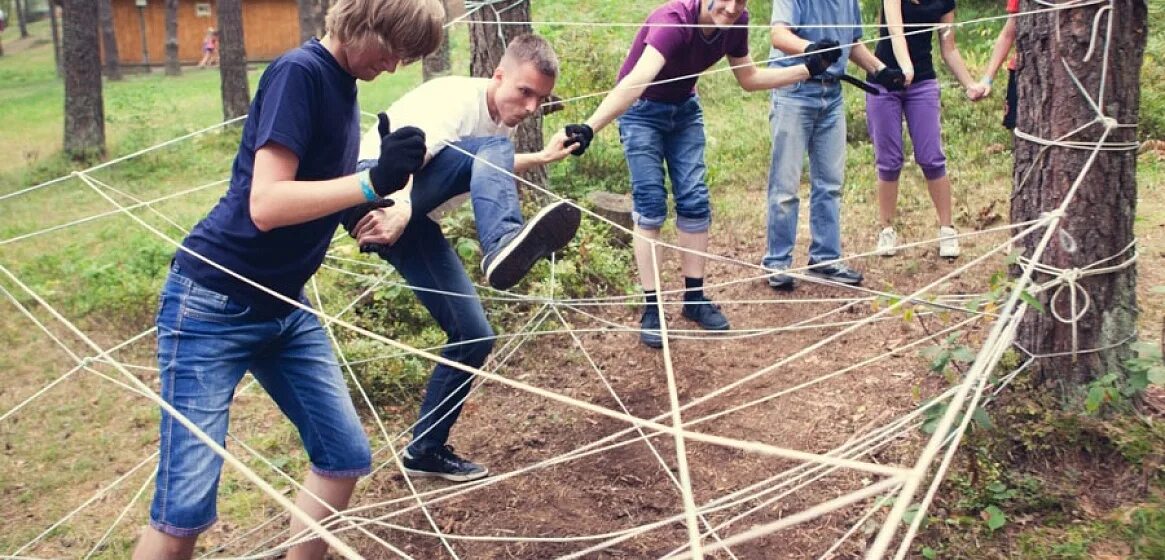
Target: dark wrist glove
column 402, row 153
column 580, row 134
column 353, row 215
column 821, row 55
column 890, row 78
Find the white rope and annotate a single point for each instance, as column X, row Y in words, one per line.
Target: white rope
column 97, row 496
column 122, row 158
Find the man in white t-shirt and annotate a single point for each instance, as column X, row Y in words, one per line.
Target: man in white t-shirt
column 461, row 116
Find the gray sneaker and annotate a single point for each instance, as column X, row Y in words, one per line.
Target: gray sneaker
column 780, row 281
column 835, row 272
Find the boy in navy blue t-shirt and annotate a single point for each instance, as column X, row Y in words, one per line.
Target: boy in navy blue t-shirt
column 218, row 317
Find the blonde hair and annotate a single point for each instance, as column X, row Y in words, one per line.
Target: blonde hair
column 410, row 29
column 535, row 50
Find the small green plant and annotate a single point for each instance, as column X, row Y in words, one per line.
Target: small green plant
column 942, row 356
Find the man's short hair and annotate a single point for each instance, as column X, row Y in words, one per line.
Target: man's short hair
column 535, row 50
column 410, row 29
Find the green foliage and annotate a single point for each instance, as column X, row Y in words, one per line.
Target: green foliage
column 947, row 353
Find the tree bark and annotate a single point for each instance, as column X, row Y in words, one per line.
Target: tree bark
column 84, row 107
column 56, row 36
column 487, row 49
column 109, row 41
column 311, row 18
column 1099, row 220
column 173, row 66
column 438, row 64
column 236, row 93
column 22, row 18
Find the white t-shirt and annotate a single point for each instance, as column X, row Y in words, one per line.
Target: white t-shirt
column 448, row 109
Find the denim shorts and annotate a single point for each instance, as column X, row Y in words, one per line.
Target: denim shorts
column 206, row 342
column 653, row 133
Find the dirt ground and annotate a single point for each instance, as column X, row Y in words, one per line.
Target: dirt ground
column 621, row 488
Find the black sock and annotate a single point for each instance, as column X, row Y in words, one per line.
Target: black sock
column 694, row 289
column 650, row 298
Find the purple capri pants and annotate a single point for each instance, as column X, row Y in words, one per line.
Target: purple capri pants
column 919, row 103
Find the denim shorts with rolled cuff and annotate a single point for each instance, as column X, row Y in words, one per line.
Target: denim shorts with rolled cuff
column 206, row 342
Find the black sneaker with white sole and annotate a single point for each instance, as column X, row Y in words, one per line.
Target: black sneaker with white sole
column 443, row 463
column 548, row 231
column 835, row 272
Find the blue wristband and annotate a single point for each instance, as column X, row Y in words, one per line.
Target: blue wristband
column 366, row 186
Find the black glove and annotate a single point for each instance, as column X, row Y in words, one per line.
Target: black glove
column 580, row 134
column 402, row 153
column 890, row 78
column 353, row 215
column 821, row 55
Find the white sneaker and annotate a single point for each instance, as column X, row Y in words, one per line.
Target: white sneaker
column 888, row 242
column 948, row 242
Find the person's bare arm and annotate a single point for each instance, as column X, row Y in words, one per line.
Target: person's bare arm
column 278, row 200
column 752, row 78
column 954, row 60
column 999, row 52
column 628, row 90
column 784, row 39
column 892, row 9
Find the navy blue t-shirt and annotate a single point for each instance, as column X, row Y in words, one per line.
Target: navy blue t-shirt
column 306, row 102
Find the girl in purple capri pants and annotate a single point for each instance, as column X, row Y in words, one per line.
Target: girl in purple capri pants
column 919, row 104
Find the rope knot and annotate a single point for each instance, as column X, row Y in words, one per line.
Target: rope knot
column 1109, row 123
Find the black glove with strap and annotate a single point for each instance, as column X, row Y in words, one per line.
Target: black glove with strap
column 821, row 55
column 352, row 216
column 402, row 153
column 581, row 134
column 890, row 78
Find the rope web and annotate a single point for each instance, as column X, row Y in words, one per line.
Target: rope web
column 854, row 478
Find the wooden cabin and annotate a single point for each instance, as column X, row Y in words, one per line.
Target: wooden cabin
column 270, row 28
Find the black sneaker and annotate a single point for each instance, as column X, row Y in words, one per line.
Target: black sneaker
column 780, row 281
column 443, row 463
column 706, row 314
column 548, row 231
column 835, row 272
column 649, row 333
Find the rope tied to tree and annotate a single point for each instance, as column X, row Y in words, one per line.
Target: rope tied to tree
column 1070, row 278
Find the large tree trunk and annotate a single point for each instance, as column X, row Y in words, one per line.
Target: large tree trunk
column 1099, row 218
column 236, row 94
column 56, row 35
column 487, row 49
column 109, row 41
column 311, row 18
column 84, row 110
column 22, row 18
column 173, row 66
column 438, row 64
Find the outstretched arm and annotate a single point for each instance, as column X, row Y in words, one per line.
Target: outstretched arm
column 954, row 60
column 999, row 52
column 752, row 78
column 628, row 90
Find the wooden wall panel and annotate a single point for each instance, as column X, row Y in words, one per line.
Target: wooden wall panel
column 271, row 27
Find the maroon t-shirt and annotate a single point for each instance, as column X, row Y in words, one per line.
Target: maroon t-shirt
column 686, row 50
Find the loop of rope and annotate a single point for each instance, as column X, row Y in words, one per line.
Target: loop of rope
column 1069, row 278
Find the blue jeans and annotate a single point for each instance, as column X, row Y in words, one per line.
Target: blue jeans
column 206, row 342
column 494, row 195
column 653, row 133
column 807, row 116
column 432, row 268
